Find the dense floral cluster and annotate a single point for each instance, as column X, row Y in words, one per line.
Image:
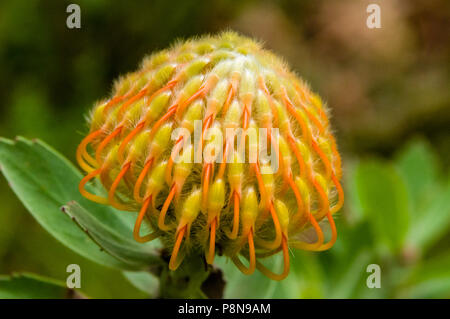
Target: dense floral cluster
column 230, row 204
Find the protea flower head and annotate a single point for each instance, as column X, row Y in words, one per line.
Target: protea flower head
column 147, row 146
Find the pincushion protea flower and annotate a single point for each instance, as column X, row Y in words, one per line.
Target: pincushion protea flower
column 234, row 206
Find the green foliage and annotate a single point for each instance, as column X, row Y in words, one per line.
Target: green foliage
column 382, row 87
column 392, row 218
column 47, row 185
column 29, row 286
column 428, row 192
column 187, row 281
column 111, row 240
column 418, row 166
column 383, row 198
column 407, row 203
column 429, row 280
column 144, row 281
column 44, row 181
column 256, row 285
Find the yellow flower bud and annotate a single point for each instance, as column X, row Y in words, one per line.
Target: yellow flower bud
column 250, row 209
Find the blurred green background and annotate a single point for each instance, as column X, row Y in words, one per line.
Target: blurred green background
column 388, row 91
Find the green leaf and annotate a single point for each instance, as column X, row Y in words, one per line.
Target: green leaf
column 384, row 200
column 29, row 286
column 45, row 181
column 418, row 165
column 144, row 281
column 122, row 248
column 433, row 222
column 347, row 283
column 431, row 200
column 432, row 288
column 429, row 280
column 352, row 205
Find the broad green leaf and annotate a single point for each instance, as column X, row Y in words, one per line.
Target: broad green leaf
column 352, row 205
column 432, row 224
column 144, row 281
column 384, row 200
column 352, row 239
column 417, row 164
column 45, row 181
column 127, row 250
column 431, row 279
column 431, row 288
column 346, row 284
column 29, row 286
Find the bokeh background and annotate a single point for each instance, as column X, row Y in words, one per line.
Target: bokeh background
column 388, row 93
